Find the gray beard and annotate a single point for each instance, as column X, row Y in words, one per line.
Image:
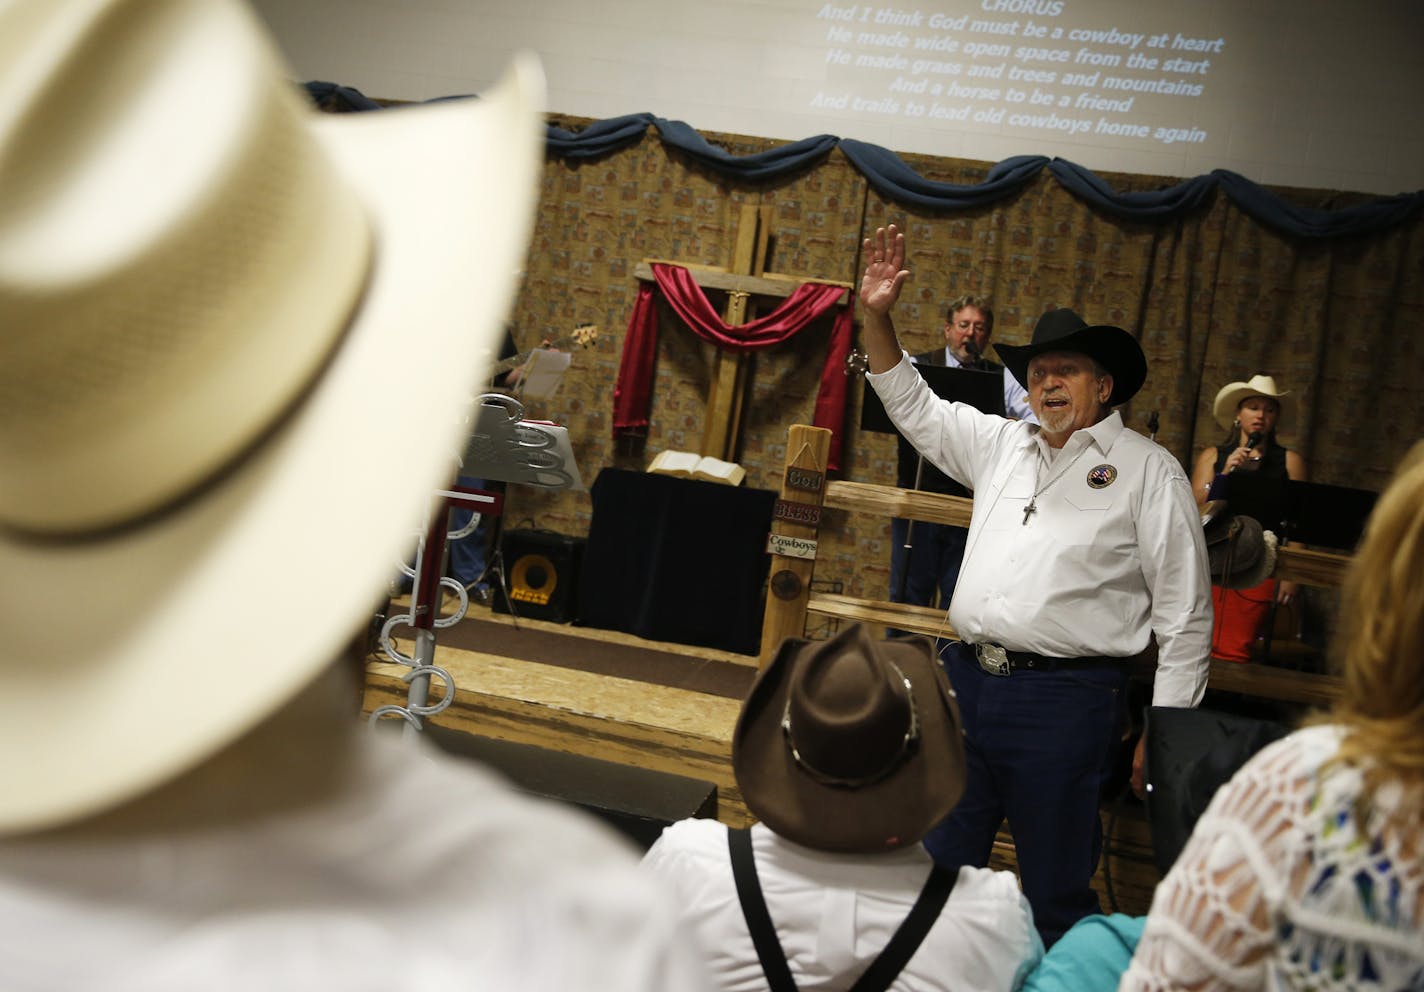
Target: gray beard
column 1056, row 422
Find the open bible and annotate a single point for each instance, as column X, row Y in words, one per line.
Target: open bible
column 693, row 466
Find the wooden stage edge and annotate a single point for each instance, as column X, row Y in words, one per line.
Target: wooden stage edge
column 673, row 730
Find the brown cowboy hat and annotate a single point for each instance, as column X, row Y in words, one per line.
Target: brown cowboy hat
column 851, row 744
column 1063, row 330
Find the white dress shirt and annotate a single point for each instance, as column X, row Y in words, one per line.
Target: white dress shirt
column 834, row 914
column 426, row 873
column 1094, row 569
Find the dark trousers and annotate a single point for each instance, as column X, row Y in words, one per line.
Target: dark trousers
column 1040, row 747
column 933, row 562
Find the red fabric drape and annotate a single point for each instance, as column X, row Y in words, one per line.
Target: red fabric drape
column 632, row 394
column 831, row 398
column 808, row 302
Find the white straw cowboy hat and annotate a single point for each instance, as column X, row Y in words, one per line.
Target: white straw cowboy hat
column 239, row 340
column 1233, row 394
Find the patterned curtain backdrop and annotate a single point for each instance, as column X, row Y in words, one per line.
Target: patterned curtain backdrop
column 1212, row 295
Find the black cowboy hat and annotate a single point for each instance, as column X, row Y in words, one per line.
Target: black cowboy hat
column 1063, row 330
column 851, row 744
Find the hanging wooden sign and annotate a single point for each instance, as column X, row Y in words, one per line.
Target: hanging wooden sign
column 796, row 513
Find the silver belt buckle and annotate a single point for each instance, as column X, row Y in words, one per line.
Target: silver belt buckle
column 992, row 658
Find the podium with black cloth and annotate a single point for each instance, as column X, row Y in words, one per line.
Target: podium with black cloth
column 674, row 559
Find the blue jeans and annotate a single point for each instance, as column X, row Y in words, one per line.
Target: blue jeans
column 1040, row 747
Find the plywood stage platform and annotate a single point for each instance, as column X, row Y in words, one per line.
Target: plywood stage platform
column 651, row 705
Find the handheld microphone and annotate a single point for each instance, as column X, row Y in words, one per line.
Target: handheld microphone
column 975, row 355
column 1252, row 439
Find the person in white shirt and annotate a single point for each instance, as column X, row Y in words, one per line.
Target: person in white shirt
column 1085, row 545
column 223, row 321
column 847, row 750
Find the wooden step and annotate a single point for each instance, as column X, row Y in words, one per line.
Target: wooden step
column 633, row 723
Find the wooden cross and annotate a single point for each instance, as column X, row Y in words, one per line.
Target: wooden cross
column 747, row 277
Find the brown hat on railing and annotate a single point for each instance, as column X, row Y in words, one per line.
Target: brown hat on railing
column 851, row 744
column 1240, row 552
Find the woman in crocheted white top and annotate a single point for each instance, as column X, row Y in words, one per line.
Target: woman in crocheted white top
column 1307, row 869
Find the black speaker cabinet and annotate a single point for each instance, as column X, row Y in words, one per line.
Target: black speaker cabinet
column 541, row 570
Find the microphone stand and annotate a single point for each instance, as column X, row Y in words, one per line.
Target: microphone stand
column 909, row 544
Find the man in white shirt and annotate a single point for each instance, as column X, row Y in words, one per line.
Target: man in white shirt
column 1084, row 546
column 847, row 750
column 925, row 557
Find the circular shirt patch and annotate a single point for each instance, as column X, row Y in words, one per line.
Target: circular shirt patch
column 1101, row 476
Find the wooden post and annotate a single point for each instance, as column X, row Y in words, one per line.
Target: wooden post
column 797, row 521
column 727, row 397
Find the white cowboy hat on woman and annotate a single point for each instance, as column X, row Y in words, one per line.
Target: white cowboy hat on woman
column 1233, row 394
column 233, row 328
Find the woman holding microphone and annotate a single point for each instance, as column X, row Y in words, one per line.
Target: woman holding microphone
column 1250, row 412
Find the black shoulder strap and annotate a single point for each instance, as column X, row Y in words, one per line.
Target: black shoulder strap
column 768, row 947
column 882, row 970
column 907, row 939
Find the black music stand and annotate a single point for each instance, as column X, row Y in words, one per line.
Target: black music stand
column 1306, row 512
column 1327, row 516
column 1250, row 494
column 1323, row 516
column 982, row 390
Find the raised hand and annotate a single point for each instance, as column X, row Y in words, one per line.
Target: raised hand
column 884, row 270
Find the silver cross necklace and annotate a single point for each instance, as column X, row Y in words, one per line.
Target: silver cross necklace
column 1032, row 507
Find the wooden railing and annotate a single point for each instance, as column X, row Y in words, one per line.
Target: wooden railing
column 790, row 599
